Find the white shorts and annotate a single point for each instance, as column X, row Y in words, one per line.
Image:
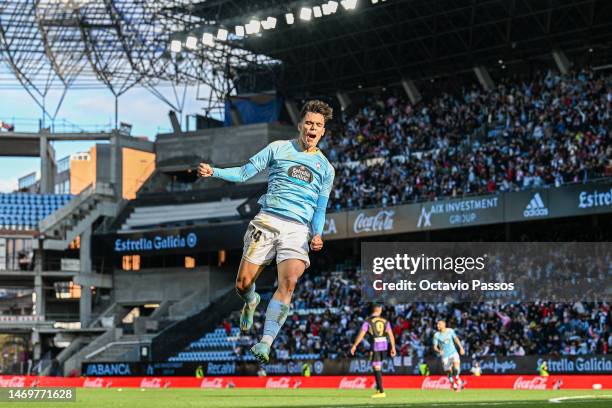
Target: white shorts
column 269, row 235
column 447, row 362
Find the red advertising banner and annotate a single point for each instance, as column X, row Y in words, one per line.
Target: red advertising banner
column 344, row 382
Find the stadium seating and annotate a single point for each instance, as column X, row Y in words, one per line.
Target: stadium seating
column 23, row 211
column 328, row 313
column 215, row 346
column 544, row 130
column 164, row 214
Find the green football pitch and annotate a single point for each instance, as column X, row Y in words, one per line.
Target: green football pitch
column 245, row 398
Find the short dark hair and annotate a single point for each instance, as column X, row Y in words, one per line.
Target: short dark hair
column 316, row 106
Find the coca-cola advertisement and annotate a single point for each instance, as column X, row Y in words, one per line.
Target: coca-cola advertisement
column 283, row 382
column 217, row 382
column 382, row 221
column 439, row 383
column 13, row 381
column 535, row 383
column 354, row 383
column 362, row 382
column 97, row 382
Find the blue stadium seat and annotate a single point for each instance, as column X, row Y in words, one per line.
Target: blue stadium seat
column 23, row 211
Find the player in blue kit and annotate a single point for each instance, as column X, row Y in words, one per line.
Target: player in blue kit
column 292, row 214
column 444, row 342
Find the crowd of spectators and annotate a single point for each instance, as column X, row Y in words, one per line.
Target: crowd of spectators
column 544, row 131
column 486, row 329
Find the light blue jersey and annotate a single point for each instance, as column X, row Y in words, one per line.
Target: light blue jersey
column 299, row 182
column 446, row 342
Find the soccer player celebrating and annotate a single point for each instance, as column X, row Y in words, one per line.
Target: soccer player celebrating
column 444, row 342
column 293, row 210
column 378, row 328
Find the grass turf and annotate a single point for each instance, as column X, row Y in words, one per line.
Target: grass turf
column 256, row 398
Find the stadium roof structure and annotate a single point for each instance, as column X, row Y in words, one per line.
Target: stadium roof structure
column 379, row 43
column 119, row 44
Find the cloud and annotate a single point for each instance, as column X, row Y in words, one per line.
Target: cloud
column 8, row 186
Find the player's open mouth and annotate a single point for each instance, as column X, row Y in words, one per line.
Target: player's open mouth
column 311, row 136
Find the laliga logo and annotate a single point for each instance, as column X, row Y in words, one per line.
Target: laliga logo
column 12, row 382
column 96, row 383
column 425, row 218
column 355, row 383
column 214, row 383
column 537, row 383
column 383, row 221
column 441, row 383
column 282, row 382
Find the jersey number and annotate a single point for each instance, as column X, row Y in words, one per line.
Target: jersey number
column 256, row 234
column 380, row 328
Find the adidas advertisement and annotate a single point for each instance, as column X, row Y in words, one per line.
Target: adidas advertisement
column 536, row 207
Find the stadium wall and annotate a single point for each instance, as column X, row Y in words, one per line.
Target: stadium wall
column 219, row 146
column 525, row 365
column 537, row 204
column 170, row 284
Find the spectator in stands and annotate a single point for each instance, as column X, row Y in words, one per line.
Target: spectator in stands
column 548, row 130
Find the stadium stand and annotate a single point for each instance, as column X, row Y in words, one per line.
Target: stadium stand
column 164, row 214
column 21, row 211
column 546, row 130
column 328, row 311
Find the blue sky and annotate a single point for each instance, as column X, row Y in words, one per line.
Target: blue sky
column 143, row 110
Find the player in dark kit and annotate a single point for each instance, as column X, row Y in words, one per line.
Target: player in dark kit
column 378, row 328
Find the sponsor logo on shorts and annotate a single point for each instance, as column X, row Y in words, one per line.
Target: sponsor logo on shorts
column 301, row 173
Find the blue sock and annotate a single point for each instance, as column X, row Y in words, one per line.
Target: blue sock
column 276, row 314
column 249, row 295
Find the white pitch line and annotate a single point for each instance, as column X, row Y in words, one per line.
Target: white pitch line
column 577, row 397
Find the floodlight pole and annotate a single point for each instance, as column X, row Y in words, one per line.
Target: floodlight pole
column 116, row 112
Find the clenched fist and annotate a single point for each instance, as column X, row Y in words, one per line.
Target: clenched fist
column 205, row 170
column 316, row 244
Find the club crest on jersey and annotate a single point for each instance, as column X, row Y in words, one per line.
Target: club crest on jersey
column 301, row 173
column 318, row 165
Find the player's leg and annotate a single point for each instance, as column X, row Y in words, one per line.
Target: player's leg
column 289, row 271
column 448, row 369
column 455, row 372
column 258, row 251
column 292, row 260
column 377, row 368
column 245, row 287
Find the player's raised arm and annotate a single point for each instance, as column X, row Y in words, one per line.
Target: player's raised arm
column 458, row 343
column 318, row 218
column 391, row 339
column 241, row 174
column 359, row 338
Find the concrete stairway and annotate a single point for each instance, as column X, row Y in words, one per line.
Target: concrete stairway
column 64, row 225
